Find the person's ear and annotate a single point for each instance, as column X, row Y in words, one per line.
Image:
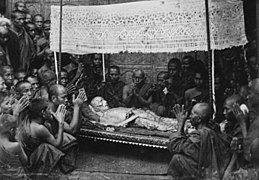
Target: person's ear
column 53, row 98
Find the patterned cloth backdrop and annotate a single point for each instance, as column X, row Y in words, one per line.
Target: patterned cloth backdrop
column 148, row 26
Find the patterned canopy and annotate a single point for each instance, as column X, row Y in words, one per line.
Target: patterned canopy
column 148, row 26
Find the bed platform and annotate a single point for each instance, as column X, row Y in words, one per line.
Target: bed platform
column 130, row 135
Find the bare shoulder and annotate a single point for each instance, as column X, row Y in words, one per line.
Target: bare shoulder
column 13, row 147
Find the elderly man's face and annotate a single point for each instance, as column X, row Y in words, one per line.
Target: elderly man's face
column 100, row 104
column 26, row 90
column 195, row 116
column 19, row 20
column 61, row 97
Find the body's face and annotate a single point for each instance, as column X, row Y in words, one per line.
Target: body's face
column 8, row 76
column 34, row 83
column 100, row 104
column 161, row 80
column 46, row 29
column 253, row 63
column 138, row 78
column 228, row 110
column 217, row 84
column 2, row 85
column 20, row 76
column 28, row 18
column 21, row 6
column 198, row 80
column 63, row 78
column 61, row 97
column 19, row 20
column 186, row 64
column 114, row 75
column 32, row 30
column 173, row 70
column 76, row 58
column 38, row 22
column 26, row 90
column 97, row 61
column 34, row 72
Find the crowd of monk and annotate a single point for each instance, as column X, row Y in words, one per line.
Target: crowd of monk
column 40, row 117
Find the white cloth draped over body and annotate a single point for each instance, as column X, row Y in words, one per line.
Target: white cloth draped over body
column 148, row 26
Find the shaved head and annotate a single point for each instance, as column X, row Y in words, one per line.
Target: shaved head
column 204, row 110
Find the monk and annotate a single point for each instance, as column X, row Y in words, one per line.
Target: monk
column 13, row 160
column 195, row 154
column 137, row 94
column 121, row 116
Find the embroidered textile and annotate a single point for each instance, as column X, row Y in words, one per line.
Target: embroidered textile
column 148, row 26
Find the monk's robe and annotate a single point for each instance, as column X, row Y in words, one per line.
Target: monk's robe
column 27, row 49
column 144, row 92
column 202, row 154
column 10, row 166
column 42, row 157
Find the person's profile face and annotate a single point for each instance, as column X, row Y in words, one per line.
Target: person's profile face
column 19, row 20
column 228, row 113
column 114, row 75
column 8, row 76
column 61, row 97
column 2, row 85
column 6, row 106
column 195, row 118
column 38, row 22
column 100, row 104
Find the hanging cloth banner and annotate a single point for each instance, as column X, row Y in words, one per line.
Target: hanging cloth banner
column 148, row 26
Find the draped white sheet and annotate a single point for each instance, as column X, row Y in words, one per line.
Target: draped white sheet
column 148, row 26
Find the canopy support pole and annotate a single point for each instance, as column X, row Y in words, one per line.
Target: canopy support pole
column 103, row 63
column 257, row 31
column 211, row 99
column 60, row 38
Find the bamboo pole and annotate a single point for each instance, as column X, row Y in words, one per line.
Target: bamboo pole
column 257, row 31
column 60, row 38
column 211, row 100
